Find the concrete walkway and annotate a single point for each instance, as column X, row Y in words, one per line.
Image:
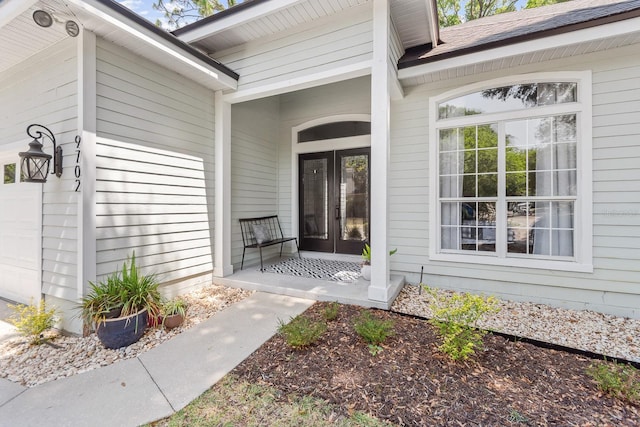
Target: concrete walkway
column 160, row 381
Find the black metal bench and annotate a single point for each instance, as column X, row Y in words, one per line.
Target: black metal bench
column 258, row 233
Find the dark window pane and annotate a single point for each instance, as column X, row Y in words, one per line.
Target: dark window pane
column 516, row 184
column 488, row 185
column 469, row 186
column 315, row 199
column 469, row 162
column 334, row 130
column 488, row 160
column 354, row 197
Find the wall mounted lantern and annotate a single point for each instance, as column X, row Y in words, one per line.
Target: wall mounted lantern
column 35, row 162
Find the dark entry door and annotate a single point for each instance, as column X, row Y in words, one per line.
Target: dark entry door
column 334, row 200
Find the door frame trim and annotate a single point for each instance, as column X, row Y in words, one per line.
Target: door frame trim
column 361, row 141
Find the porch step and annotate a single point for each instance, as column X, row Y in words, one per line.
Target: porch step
column 319, row 290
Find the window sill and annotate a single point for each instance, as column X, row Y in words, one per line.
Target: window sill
column 539, row 264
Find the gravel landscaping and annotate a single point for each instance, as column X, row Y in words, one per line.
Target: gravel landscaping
column 599, row 333
column 69, row 355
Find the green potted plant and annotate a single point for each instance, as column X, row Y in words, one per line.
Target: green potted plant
column 118, row 308
column 365, row 271
column 173, row 313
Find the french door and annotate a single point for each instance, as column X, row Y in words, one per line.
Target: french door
column 334, row 200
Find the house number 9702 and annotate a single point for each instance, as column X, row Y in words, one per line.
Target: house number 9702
column 77, row 169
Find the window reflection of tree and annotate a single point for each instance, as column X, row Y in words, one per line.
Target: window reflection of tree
column 546, row 167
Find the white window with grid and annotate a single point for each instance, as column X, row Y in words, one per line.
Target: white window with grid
column 511, row 164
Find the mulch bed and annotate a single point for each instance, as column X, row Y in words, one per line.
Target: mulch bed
column 411, row 383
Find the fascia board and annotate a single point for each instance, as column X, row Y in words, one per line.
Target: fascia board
column 203, row 29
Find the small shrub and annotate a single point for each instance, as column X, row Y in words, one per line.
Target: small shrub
column 301, row 332
column 330, row 312
column 617, row 380
column 374, row 350
column 456, row 318
column 517, row 417
column 31, row 321
column 372, row 330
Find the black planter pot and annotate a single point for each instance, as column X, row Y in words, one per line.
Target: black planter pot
column 122, row 331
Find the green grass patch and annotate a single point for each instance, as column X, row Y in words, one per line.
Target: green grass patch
column 233, row 402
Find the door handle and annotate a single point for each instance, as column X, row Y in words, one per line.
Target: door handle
column 337, row 212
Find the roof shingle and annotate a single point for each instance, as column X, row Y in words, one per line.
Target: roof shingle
column 523, row 25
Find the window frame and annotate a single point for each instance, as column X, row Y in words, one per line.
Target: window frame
column 582, row 260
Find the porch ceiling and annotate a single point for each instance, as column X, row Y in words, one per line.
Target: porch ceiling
column 22, row 38
column 256, row 19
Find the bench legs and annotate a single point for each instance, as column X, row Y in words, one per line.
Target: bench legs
column 261, row 262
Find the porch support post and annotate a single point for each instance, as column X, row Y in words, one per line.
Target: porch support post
column 222, row 229
column 380, row 137
column 86, row 182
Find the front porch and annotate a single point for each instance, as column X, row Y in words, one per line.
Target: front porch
column 353, row 292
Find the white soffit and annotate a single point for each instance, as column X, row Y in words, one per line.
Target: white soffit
column 580, row 42
column 22, row 38
column 266, row 18
column 413, row 20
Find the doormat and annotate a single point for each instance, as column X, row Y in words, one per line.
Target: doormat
column 323, row 269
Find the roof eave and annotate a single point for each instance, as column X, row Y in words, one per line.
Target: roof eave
column 229, row 18
column 530, row 45
column 137, row 26
column 416, row 61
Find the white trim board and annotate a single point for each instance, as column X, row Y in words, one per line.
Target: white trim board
column 299, row 83
column 235, row 19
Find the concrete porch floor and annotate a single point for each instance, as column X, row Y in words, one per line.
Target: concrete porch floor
column 301, row 287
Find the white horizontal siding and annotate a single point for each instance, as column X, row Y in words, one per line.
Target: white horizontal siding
column 154, row 168
column 613, row 286
column 254, row 170
column 395, row 46
column 325, row 44
column 43, row 90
